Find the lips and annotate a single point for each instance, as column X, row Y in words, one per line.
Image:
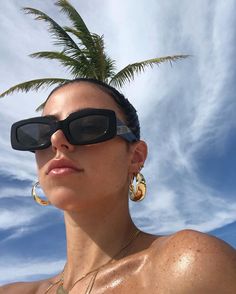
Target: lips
column 61, row 167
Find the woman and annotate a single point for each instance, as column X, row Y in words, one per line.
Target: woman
column 86, row 165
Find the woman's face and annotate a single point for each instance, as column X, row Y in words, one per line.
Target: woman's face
column 88, row 174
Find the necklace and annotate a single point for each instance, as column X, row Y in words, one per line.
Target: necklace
column 61, row 290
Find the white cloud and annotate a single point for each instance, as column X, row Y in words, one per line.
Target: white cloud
column 8, row 192
column 18, row 216
column 25, row 270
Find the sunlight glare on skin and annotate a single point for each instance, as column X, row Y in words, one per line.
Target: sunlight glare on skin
column 183, row 263
column 115, row 283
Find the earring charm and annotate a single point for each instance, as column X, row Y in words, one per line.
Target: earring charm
column 138, row 192
column 39, row 200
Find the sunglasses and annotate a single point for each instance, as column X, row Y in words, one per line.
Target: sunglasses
column 87, row 126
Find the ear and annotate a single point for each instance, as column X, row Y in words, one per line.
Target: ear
column 138, row 156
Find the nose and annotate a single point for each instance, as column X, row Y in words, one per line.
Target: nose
column 59, row 142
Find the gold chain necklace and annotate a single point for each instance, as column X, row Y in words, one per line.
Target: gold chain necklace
column 61, row 290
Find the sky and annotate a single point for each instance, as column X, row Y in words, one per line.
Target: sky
column 187, row 114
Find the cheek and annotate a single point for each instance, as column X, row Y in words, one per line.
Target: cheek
column 42, row 157
column 110, row 168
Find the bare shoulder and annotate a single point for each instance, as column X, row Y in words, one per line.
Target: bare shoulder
column 25, row 287
column 194, row 262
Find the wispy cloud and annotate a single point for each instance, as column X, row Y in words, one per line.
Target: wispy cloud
column 20, row 166
column 16, row 269
column 18, row 216
column 7, row 192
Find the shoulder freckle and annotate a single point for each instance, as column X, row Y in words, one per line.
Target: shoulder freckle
column 197, row 243
column 191, row 259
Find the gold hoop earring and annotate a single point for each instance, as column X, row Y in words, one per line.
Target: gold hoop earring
column 138, row 193
column 36, row 197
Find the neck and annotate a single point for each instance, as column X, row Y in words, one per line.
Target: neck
column 94, row 237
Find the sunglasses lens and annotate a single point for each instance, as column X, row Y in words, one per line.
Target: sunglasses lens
column 33, row 135
column 89, row 128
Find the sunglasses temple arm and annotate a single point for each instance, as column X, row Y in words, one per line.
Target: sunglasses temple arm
column 125, row 132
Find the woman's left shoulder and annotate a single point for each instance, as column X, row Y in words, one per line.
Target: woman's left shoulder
column 196, row 238
column 198, row 242
column 198, row 246
column 195, row 260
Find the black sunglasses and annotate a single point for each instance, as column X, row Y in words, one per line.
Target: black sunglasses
column 88, row 126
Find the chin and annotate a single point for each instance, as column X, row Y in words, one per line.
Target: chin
column 65, row 198
column 66, row 204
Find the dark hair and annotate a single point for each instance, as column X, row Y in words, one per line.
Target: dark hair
column 128, row 109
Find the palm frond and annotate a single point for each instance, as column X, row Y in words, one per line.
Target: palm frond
column 110, row 67
column 61, row 38
column 33, row 85
column 75, row 66
column 98, row 58
column 92, row 42
column 78, row 23
column 73, row 31
column 127, row 74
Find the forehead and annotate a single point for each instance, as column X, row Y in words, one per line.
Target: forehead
column 77, row 96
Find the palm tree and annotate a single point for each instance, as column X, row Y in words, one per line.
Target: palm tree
column 82, row 52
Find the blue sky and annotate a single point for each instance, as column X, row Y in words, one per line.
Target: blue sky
column 187, row 114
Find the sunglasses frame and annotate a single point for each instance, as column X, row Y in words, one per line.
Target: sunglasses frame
column 116, row 127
